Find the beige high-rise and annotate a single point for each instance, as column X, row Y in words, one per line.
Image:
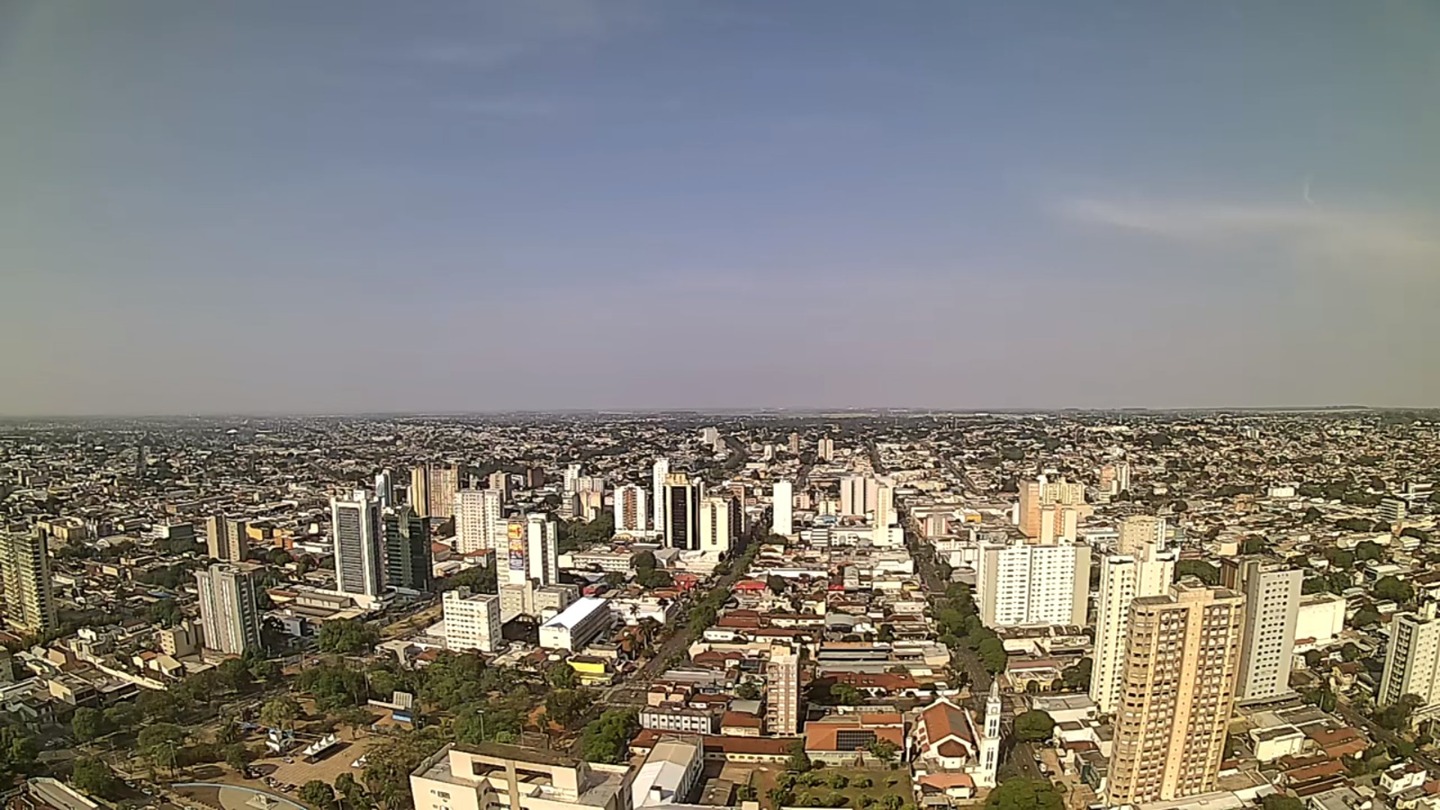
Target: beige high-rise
column 432, row 490
column 1182, row 662
column 25, row 575
column 1037, row 521
column 227, row 540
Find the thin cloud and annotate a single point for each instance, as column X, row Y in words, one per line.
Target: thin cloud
column 1317, row 232
column 519, row 31
column 517, row 108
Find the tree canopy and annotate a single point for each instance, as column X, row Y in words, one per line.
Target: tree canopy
column 1034, row 726
column 347, row 637
column 1024, row 794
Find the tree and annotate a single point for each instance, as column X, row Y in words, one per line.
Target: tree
column 165, row 613
column 237, row 757
column 1253, row 544
column 1201, row 570
column 317, row 794
column 561, row 676
column 89, row 724
column 775, row 583
column 607, row 738
column 351, row 791
column 280, row 712
column 799, row 761
column 1077, row 676
column 884, row 750
column 843, row 694
column 1276, row 801
column 1024, row 794
column 278, row 556
column 160, row 743
column 615, row 579
column 1366, row 617
column 1034, row 726
column 992, row 654
column 747, row 691
column 643, row 561
column 94, row 777
column 1396, row 716
column 567, row 706
column 886, row 633
column 1314, row 585
column 1369, row 550
column 347, row 637
column 1394, row 589
column 1350, row 651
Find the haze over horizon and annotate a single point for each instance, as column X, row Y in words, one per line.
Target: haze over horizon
column 272, row 207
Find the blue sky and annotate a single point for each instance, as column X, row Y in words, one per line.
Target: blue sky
column 360, row 206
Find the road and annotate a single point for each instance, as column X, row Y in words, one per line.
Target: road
column 1370, row 727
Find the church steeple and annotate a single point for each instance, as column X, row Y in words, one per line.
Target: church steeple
column 990, row 740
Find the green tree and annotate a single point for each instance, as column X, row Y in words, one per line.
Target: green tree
column 1366, row 617
column 237, row 757
column 347, row 637
column 280, row 712
column 992, row 654
column 607, row 738
column 1077, row 676
column 747, row 691
column 1277, row 801
column 165, row 613
column 799, row 761
column 318, row 794
column 1024, row 794
column 1393, row 588
column 884, row 750
column 1034, row 726
column 1252, row 544
column 351, row 791
column 843, row 694
column 92, row 776
column 561, row 676
column 1369, row 550
column 160, row 743
column 89, row 724
column 643, row 561
column 567, row 706
column 775, row 583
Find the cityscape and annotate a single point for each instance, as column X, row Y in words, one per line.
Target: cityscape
column 685, row 610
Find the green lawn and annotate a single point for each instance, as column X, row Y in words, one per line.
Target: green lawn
column 849, row 787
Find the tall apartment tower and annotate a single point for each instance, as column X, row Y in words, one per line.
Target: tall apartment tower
column 1123, row 579
column 25, row 575
column 499, row 481
column 355, row 525
column 419, row 495
column 1043, row 492
column 227, row 540
column 409, row 565
column 432, row 490
column 1412, row 664
column 858, row 494
column 794, row 444
column 229, row 610
column 782, row 504
column 885, row 504
column 385, row 489
column 1272, row 604
column 472, row 622
column 682, row 511
column 782, row 693
column 721, row 522
column 825, row 449
column 1138, row 532
column 1026, row 584
column 479, row 520
column 1178, row 693
column 533, row 551
column 658, row 474
column 631, row 516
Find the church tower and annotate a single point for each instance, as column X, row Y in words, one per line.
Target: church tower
column 990, row 740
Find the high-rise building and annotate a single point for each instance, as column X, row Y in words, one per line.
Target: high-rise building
column 533, row 552
column 1138, row 532
column 794, row 444
column 385, row 489
column 721, row 522
column 782, row 692
column 499, row 481
column 1178, row 693
column 631, row 516
column 355, row 526
column 409, row 565
column 1272, row 605
column 1123, row 578
column 1412, row 662
column 572, row 478
column 25, row 575
column 825, row 449
column 658, row 474
column 227, row 540
column 682, row 511
column 472, row 622
column 1393, row 510
column 432, row 490
column 858, row 494
column 885, row 504
column 782, row 502
column 1042, row 492
column 479, row 520
column 229, row 610
column 1024, row 584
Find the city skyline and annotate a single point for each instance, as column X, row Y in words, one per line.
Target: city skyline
column 222, row 208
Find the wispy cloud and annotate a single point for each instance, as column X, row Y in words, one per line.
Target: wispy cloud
column 1402, row 239
column 511, row 32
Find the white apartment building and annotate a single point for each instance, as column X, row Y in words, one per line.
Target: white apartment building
column 782, row 505
column 1123, row 578
column 479, row 520
column 658, row 474
column 1272, row 602
column 229, row 613
column 355, row 527
column 472, row 622
column 782, row 692
column 1412, row 662
column 1023, row 584
column 1319, row 620
column 720, row 519
column 858, row 494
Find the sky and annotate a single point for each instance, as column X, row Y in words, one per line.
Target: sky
column 347, row 206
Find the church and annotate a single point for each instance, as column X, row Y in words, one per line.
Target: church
column 953, row 752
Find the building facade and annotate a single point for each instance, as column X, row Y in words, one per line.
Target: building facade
column 1272, row 606
column 409, row 565
column 229, row 610
column 355, row 526
column 682, row 511
column 721, row 523
column 1022, row 583
column 227, row 540
column 1123, row 578
column 472, row 621
column 25, row 574
column 1412, row 662
column 782, row 505
column 631, row 516
column 479, row 520
column 782, row 693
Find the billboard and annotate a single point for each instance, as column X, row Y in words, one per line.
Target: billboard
column 515, row 533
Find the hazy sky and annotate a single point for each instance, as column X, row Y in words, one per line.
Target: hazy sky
column 360, row 206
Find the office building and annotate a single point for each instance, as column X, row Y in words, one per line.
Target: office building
column 495, row 776
column 1043, row 492
column 227, row 540
column 1123, row 578
column 432, row 490
column 631, row 516
column 1023, row 584
column 658, row 474
column 858, row 494
column 577, row 625
column 25, row 575
column 355, row 526
column 1178, row 693
column 1412, row 662
column 472, row 621
column 721, row 522
column 782, row 505
column 1393, row 510
column 825, row 449
column 1272, row 604
column 385, row 489
column 682, row 511
column 409, row 565
column 782, row 692
column 479, row 520
column 229, row 611
column 532, row 553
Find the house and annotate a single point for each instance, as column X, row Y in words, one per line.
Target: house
column 850, row 738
